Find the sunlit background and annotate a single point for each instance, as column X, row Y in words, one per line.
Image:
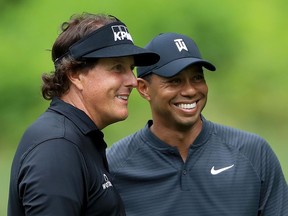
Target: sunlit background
column 246, row 40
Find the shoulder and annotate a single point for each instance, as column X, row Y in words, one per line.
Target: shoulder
column 48, row 125
column 237, row 137
column 250, row 146
column 125, row 146
column 121, row 151
column 44, row 143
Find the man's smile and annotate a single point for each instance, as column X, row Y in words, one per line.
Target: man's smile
column 186, row 105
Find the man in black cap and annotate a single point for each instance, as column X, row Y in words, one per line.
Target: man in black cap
column 60, row 167
column 182, row 164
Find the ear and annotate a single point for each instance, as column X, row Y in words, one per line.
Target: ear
column 75, row 79
column 143, row 88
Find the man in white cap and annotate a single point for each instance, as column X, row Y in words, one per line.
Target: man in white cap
column 182, row 164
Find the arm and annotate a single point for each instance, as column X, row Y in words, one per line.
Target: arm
column 51, row 179
column 274, row 191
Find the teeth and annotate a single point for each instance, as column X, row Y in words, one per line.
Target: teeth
column 123, row 97
column 187, row 106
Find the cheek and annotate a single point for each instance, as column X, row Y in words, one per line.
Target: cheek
column 203, row 88
column 206, row 89
column 93, row 85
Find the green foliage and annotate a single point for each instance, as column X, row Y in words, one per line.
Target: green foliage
column 246, row 40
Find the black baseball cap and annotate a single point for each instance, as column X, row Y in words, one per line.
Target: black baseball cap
column 176, row 52
column 112, row 40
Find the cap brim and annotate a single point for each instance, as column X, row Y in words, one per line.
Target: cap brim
column 174, row 67
column 142, row 57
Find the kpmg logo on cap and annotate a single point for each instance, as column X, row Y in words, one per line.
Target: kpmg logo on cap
column 121, row 33
column 180, row 45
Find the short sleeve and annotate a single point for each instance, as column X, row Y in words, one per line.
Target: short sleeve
column 51, row 179
column 274, row 192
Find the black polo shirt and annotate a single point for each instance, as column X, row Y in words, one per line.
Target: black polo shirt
column 60, row 167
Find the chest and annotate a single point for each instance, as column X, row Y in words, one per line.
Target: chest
column 101, row 195
column 210, row 181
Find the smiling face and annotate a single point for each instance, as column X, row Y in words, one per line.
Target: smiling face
column 176, row 102
column 103, row 92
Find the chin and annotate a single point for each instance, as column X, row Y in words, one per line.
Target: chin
column 121, row 116
column 189, row 123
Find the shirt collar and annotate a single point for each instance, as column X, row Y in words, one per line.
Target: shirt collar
column 202, row 138
column 77, row 116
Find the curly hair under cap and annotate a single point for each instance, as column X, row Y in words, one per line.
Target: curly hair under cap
column 56, row 83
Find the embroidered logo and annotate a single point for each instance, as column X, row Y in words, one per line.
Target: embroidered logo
column 107, row 183
column 121, row 33
column 180, row 45
column 217, row 171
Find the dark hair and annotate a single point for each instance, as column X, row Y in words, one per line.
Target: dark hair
column 147, row 77
column 57, row 83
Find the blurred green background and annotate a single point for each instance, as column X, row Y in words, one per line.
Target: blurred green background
column 246, row 40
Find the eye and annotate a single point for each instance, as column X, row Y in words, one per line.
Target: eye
column 198, row 78
column 118, row 68
column 175, row 81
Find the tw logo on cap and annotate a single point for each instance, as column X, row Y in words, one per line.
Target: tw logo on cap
column 180, row 45
column 121, row 33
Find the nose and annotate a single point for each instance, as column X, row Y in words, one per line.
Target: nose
column 188, row 89
column 131, row 80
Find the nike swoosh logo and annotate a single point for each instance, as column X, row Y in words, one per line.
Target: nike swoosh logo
column 215, row 172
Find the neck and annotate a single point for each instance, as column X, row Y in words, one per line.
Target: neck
column 179, row 138
column 75, row 99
